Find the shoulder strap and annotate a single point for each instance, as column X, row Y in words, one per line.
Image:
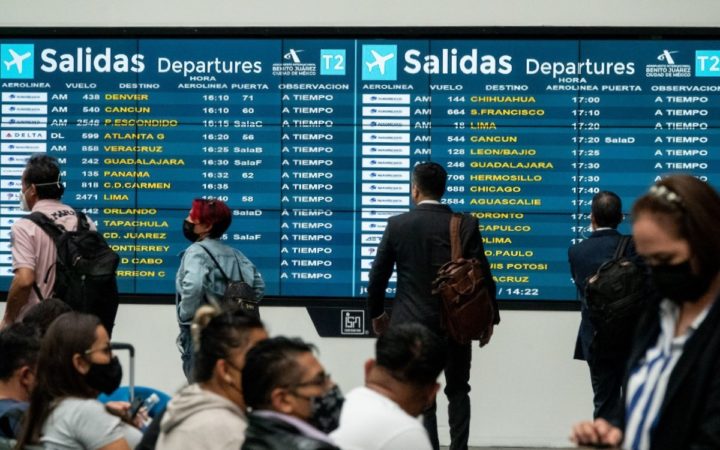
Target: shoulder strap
column 48, row 226
column 53, row 230
column 455, row 236
column 36, row 288
column 622, row 246
column 227, row 279
column 239, row 266
column 82, row 221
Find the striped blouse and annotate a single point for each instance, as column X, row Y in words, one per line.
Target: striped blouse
column 649, row 378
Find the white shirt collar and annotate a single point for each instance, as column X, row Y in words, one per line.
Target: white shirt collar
column 670, row 314
column 429, row 202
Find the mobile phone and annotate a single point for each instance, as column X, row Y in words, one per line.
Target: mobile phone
column 135, row 406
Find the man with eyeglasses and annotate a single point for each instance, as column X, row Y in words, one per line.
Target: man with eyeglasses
column 293, row 401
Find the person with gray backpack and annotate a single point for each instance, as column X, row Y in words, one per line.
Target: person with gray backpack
column 208, row 269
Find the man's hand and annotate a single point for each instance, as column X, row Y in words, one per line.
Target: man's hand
column 381, row 323
column 485, row 337
column 599, row 432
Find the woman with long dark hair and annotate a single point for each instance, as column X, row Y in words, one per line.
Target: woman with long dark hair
column 672, row 385
column 74, row 366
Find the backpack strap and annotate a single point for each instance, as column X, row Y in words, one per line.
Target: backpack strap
column 82, row 221
column 227, row 279
column 47, row 225
column 36, row 288
column 456, row 249
column 239, row 267
column 54, row 231
column 622, row 246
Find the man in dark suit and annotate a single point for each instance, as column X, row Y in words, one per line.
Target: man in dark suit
column 606, row 364
column 418, row 242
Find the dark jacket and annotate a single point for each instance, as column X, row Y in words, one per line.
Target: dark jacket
column 585, row 259
column 690, row 413
column 270, row 433
column 151, row 433
column 418, row 242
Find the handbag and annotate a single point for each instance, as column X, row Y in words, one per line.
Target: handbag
column 237, row 293
column 466, row 305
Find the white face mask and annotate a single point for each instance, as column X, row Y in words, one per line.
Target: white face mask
column 23, row 201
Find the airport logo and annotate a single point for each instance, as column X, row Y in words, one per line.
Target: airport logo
column 293, row 55
column 18, row 61
column 379, row 62
column 666, row 56
column 707, row 63
column 332, row 61
column 352, row 322
column 668, row 68
column 293, row 65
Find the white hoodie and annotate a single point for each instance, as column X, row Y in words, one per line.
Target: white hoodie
column 200, row 419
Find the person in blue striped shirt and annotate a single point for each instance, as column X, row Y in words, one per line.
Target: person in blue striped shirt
column 672, row 385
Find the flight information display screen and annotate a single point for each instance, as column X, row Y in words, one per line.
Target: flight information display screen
column 311, row 142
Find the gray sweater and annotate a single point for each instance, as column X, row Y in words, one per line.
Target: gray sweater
column 196, row 418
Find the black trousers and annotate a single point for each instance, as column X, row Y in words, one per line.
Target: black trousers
column 457, row 389
column 606, row 376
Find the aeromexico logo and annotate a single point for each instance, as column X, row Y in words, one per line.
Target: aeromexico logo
column 18, row 61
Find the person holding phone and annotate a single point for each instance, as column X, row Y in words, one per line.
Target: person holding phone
column 75, row 365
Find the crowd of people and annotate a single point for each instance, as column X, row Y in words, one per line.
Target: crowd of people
column 659, row 389
column 250, row 391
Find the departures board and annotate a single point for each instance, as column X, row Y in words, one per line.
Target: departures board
column 311, row 142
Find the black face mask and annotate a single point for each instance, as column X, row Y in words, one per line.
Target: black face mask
column 326, row 410
column 678, row 283
column 189, row 231
column 105, row 378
